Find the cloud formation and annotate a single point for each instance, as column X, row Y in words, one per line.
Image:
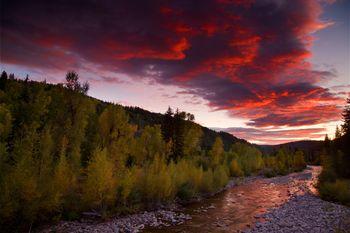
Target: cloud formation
column 272, row 137
column 246, row 57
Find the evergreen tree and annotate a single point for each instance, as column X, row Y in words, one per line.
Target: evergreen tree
column 346, row 118
column 178, row 138
column 337, row 132
column 3, row 79
column 168, row 125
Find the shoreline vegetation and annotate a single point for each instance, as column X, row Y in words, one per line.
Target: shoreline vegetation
column 64, row 153
column 334, row 181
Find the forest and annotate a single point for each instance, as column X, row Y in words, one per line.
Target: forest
column 334, row 181
column 63, row 153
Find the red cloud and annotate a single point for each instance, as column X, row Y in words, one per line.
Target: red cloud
column 246, row 57
column 264, row 136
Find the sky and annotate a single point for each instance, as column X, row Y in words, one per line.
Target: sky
column 268, row 71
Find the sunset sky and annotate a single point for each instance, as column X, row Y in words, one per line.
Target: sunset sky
column 269, row 71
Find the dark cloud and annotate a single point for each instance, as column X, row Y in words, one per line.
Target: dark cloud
column 246, row 57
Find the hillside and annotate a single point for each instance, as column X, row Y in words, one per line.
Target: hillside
column 142, row 117
column 310, row 148
column 63, row 153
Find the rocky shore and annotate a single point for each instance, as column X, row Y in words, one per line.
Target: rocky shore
column 132, row 223
column 164, row 217
column 305, row 211
column 301, row 211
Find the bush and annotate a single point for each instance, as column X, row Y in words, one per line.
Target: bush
column 338, row 191
column 220, row 177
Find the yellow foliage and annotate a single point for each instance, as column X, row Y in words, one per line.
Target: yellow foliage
column 99, row 189
column 217, row 151
column 157, row 182
column 235, row 170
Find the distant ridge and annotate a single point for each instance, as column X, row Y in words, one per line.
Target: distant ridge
column 311, row 148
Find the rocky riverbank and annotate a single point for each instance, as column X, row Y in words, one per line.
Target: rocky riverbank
column 280, row 204
column 165, row 217
column 305, row 211
column 132, row 223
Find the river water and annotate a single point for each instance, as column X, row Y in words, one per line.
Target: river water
column 237, row 208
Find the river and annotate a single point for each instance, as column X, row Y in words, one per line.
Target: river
column 237, row 209
column 279, row 204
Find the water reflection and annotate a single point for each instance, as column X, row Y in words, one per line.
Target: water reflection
column 237, row 208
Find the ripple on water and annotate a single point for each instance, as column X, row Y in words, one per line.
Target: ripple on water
column 234, row 209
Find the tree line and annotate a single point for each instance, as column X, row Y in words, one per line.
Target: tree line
column 334, row 182
column 63, row 152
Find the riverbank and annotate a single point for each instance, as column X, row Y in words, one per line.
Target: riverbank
column 305, row 211
column 279, row 204
column 166, row 216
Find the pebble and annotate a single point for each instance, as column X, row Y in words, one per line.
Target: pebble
column 304, row 212
column 132, row 223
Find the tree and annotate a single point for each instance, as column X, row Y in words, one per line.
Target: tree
column 299, row 161
column 178, row 137
column 3, row 79
column 346, row 118
column 192, row 139
column 235, row 170
column 3, row 75
column 64, row 180
column 149, row 144
column 72, row 83
column 216, row 152
column 189, row 116
column 100, row 186
column 338, row 133
column 168, row 125
column 72, row 80
column 116, row 133
column 5, row 128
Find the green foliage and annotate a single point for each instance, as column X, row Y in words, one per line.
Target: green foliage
column 116, row 133
column 216, row 152
column 156, row 182
column 149, row 144
column 62, row 152
column 284, row 162
column 334, row 179
column 336, row 191
column 192, row 139
column 99, row 189
column 249, row 158
column 235, row 169
column 220, row 177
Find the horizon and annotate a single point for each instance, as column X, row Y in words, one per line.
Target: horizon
column 278, row 76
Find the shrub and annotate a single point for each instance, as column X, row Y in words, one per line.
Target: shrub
column 220, row 177
column 336, row 191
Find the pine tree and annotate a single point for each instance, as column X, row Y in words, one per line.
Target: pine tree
column 168, row 125
column 178, row 138
column 337, row 132
column 3, row 79
column 346, row 118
